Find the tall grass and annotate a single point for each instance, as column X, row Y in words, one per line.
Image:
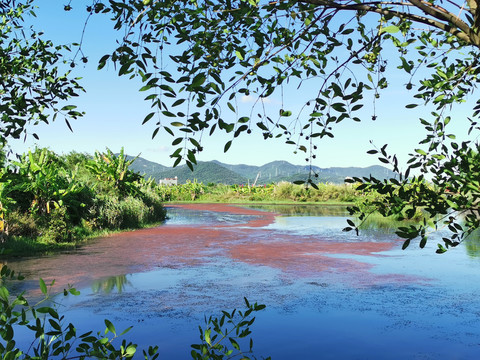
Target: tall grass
column 280, row 192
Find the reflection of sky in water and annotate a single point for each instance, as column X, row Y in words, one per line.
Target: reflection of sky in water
column 179, row 216
column 308, row 225
column 326, row 228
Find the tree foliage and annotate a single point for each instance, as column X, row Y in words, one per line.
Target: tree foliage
column 197, row 59
column 33, row 87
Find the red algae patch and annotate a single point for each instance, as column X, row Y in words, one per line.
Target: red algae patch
column 194, row 245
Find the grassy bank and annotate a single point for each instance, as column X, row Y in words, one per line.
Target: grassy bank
column 283, row 192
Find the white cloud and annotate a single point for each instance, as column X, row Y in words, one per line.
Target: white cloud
column 251, row 99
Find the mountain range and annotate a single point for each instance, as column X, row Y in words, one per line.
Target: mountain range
column 273, row 172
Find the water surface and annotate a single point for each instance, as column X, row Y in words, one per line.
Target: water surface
column 329, row 294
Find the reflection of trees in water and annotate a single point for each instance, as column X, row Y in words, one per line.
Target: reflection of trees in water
column 304, row 210
column 107, row 285
column 472, row 244
column 387, row 224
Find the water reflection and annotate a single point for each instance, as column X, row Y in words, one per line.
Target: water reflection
column 181, row 216
column 302, row 210
column 472, row 244
column 327, row 287
column 109, row 284
column 328, row 221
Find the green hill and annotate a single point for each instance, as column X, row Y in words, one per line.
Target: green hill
column 148, row 168
column 205, row 172
column 273, row 172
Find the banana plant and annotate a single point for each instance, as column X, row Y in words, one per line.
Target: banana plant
column 41, row 175
column 114, row 171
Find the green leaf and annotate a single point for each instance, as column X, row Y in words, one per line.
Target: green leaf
column 68, row 107
column 4, row 294
column 440, row 249
column 74, row 291
column 234, row 343
column 102, row 62
column 43, row 287
column 131, row 349
column 239, row 55
column 227, row 146
column 423, row 242
column 177, row 141
column 168, row 114
column 178, row 102
column 145, row 88
column 392, row 29
column 148, row 117
column 198, row 80
column 339, row 107
column 110, row 327
column 43, row 310
column 207, row 336
column 125, row 331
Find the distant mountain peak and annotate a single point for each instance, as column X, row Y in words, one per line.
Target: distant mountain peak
column 217, row 172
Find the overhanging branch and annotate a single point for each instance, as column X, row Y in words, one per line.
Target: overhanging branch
column 440, row 19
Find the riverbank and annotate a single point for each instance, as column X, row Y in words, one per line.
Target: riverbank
column 22, row 246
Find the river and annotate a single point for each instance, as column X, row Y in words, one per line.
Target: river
column 329, row 294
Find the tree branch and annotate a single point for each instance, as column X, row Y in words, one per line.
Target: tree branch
column 441, row 15
column 442, row 20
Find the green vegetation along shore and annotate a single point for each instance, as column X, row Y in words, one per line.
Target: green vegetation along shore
column 282, row 192
column 52, row 202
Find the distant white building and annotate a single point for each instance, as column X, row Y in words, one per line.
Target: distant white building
column 169, row 181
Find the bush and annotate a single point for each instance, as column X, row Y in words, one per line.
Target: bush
column 283, row 190
column 78, row 204
column 21, row 224
column 54, row 227
column 131, row 212
column 153, row 200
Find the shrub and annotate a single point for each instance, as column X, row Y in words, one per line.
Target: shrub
column 21, row 224
column 131, row 212
column 54, row 226
column 283, row 190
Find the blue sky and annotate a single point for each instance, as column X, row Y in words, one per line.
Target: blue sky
column 115, row 110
